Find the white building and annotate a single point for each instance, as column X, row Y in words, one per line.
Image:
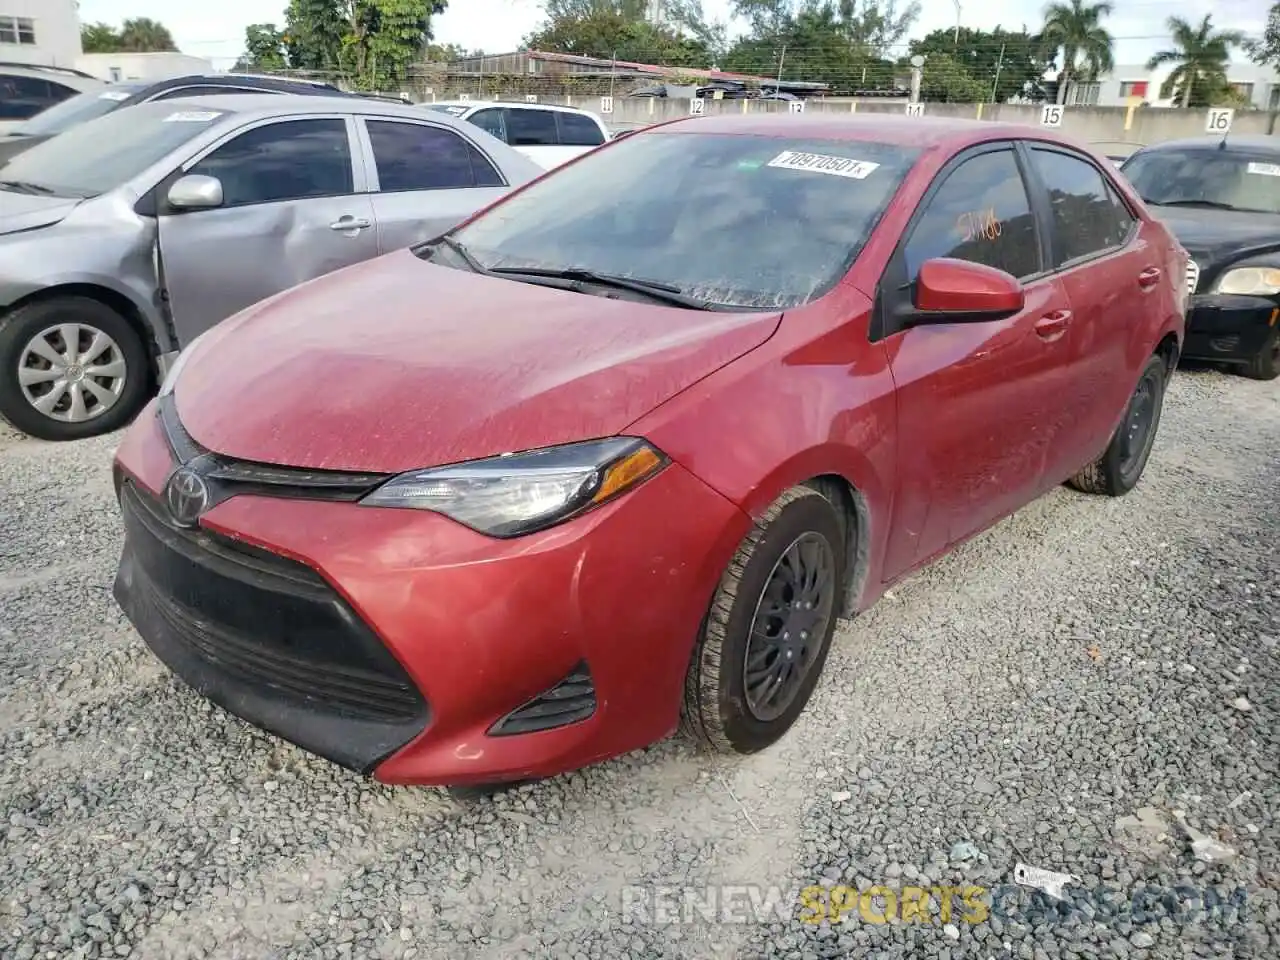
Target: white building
column 1134, row 83
column 115, row 67
column 40, row 31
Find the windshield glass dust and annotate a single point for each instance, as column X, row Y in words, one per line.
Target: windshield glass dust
column 747, row 221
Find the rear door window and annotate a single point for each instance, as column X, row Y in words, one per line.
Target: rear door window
column 980, row 213
column 490, row 121
column 1088, row 216
column 415, row 156
column 577, row 130
column 531, row 128
column 23, row 97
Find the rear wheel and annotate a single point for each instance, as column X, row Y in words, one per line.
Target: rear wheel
column 766, row 636
column 1118, row 470
column 70, row 368
column 1266, row 365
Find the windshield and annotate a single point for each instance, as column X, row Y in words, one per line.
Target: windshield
column 746, row 221
column 103, row 154
column 1211, row 177
column 77, row 109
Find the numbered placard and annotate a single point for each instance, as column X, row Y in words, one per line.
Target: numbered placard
column 796, row 106
column 606, row 104
column 696, row 107
column 464, row 96
column 717, row 95
column 915, row 109
column 1219, row 120
column 530, row 98
column 1051, row 115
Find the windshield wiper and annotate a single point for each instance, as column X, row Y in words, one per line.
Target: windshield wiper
column 662, row 292
column 26, row 186
column 1214, row 204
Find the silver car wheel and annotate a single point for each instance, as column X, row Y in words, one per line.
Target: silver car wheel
column 72, row 372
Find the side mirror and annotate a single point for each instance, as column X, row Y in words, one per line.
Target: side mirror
column 195, row 192
column 956, row 291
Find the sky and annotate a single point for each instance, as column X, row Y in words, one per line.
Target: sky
column 216, row 30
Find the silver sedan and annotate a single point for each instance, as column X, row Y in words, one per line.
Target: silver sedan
column 124, row 238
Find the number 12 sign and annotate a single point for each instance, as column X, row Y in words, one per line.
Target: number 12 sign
column 1051, row 115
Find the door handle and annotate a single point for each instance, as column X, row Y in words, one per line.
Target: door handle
column 1149, row 277
column 348, row 222
column 1053, row 325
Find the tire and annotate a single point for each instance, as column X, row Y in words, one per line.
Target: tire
column 126, row 353
column 1118, row 470
column 717, row 705
column 1266, row 365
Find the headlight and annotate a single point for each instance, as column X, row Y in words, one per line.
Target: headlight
column 171, row 378
column 1251, row 281
column 520, row 493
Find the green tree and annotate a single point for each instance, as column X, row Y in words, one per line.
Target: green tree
column 1075, row 29
column 99, row 38
column 144, row 35
column 1266, row 50
column 443, row 52
column 615, row 28
column 263, row 48
column 946, row 79
column 1201, row 54
column 1007, row 64
column 313, row 34
column 372, row 42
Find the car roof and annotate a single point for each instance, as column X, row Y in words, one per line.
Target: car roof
column 253, row 105
column 75, row 79
column 289, row 84
column 899, row 130
column 1253, row 143
column 505, row 103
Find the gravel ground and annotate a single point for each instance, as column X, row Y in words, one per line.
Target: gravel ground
column 1019, row 701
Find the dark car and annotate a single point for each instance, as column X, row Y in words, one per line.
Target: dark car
column 1221, row 197
column 95, row 103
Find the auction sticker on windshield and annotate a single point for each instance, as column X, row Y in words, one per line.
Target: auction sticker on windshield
column 116, row 95
column 1265, row 169
column 822, row 163
column 192, row 116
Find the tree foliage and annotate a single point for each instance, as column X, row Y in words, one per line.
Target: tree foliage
column 263, row 49
column 1075, row 29
column 611, row 29
column 370, row 42
column 1266, row 51
column 1201, row 54
column 136, row 35
column 1006, row 63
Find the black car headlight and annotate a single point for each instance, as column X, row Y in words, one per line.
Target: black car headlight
column 519, row 493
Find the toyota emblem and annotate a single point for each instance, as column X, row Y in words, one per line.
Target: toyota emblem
column 187, row 496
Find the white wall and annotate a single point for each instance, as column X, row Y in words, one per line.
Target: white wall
column 1266, row 84
column 56, row 26
column 140, row 66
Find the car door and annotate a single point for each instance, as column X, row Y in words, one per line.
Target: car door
column 293, row 208
column 977, row 409
column 425, row 179
column 1108, row 271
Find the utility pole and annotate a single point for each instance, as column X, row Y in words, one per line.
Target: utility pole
column 996, row 83
column 956, row 41
column 781, row 57
column 613, row 70
column 917, row 75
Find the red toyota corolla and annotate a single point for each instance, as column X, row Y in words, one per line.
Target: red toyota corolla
column 621, row 449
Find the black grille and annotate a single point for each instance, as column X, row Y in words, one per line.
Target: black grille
column 259, row 620
column 569, row 701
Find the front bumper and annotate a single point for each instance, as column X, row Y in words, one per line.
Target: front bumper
column 1229, row 327
column 471, row 627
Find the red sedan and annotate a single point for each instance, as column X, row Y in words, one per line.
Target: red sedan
column 620, row 450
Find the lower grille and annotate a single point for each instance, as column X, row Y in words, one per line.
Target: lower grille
column 263, row 620
column 569, row 701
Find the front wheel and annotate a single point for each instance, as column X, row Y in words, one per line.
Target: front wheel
column 70, row 368
column 767, row 633
column 1117, row 471
column 1266, row 365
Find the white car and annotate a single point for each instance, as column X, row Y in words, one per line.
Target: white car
column 547, row 134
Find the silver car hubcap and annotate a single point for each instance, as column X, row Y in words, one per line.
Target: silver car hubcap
column 72, row 372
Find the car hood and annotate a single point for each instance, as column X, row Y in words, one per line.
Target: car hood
column 15, row 143
column 1209, row 235
column 24, row 211
column 396, row 363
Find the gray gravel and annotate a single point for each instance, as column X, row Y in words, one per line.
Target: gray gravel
column 1083, row 661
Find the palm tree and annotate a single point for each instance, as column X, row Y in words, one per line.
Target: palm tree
column 1075, row 28
column 143, row 34
column 1201, row 55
